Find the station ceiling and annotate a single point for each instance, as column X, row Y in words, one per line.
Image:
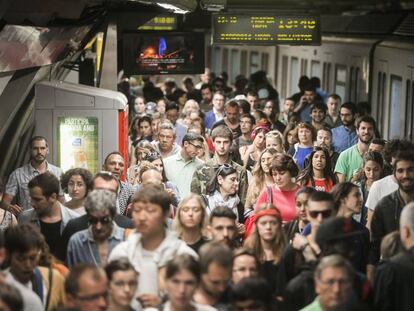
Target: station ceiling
column 43, row 12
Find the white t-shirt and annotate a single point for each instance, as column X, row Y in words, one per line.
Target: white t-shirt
column 380, row 189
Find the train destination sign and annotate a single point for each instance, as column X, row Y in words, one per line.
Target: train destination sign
column 266, row 29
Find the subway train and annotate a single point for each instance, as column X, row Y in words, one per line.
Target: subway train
column 363, row 57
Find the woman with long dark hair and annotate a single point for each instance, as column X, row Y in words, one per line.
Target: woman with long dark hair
column 222, row 191
column 318, row 171
column 348, row 199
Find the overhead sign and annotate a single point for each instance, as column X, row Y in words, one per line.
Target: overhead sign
column 162, row 22
column 266, row 29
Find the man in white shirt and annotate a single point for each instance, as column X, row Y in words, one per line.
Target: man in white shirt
column 152, row 245
column 180, row 167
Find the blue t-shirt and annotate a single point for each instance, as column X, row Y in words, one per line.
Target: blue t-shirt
column 301, row 154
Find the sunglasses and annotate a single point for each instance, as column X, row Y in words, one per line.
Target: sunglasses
column 325, row 213
column 103, row 220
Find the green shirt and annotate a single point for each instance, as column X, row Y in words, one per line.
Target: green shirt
column 314, row 306
column 349, row 161
column 180, row 172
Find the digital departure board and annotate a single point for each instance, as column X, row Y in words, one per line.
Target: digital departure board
column 162, row 22
column 266, row 29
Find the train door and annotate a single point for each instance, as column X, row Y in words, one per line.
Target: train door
column 395, row 107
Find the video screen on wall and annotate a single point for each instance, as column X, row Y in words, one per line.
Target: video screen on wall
column 163, row 53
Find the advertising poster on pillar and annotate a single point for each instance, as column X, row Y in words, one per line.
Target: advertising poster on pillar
column 78, row 143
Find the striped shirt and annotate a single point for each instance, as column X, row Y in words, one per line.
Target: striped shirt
column 19, row 179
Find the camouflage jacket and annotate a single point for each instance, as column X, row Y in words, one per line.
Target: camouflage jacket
column 204, row 174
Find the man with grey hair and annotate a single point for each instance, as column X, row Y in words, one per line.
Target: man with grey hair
column 394, row 278
column 333, row 284
column 166, row 145
column 93, row 245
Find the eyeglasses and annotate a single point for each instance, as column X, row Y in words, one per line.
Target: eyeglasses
column 93, row 296
column 196, row 146
column 325, row 214
column 103, row 220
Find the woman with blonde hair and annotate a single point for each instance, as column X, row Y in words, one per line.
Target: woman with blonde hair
column 191, row 221
column 267, row 240
column 262, row 176
column 274, row 139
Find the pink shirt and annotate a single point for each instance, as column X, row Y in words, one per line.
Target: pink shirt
column 283, row 200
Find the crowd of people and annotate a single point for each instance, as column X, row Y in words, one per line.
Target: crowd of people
column 231, row 200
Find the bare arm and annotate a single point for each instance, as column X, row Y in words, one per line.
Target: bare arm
column 341, row 177
column 6, row 204
column 369, row 219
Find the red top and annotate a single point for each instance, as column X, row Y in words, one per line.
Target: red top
column 325, row 184
column 283, row 200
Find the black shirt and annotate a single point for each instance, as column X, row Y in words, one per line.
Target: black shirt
column 51, row 232
column 394, row 283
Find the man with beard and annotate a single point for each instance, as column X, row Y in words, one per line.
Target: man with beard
column 48, row 213
column 350, row 160
column 223, row 226
column 386, row 217
column 222, row 139
column 19, row 178
column 216, row 268
column 115, row 164
column 344, row 136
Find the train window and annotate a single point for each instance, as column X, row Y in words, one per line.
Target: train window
column 356, row 85
column 351, row 84
column 379, row 101
column 216, row 59
column 235, row 64
column 316, row 69
column 208, row 56
column 411, row 116
column 326, row 76
column 225, row 61
column 340, row 81
column 394, row 126
column 265, row 62
column 243, row 69
column 383, row 83
column 303, row 67
column 408, row 109
column 284, row 76
column 254, row 62
column 294, row 75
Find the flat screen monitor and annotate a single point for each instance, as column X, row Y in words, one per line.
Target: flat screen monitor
column 163, row 53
